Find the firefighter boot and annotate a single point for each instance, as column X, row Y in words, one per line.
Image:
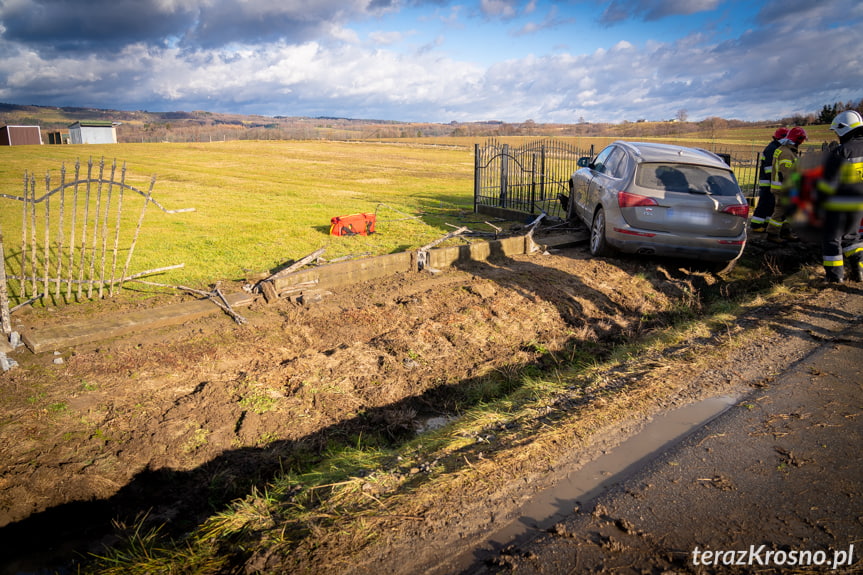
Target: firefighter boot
column 787, row 234
column 834, row 274
column 774, row 231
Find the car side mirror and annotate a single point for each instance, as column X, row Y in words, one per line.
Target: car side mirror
column 584, row 162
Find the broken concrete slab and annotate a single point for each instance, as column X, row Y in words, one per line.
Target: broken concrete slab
column 51, row 338
column 324, row 277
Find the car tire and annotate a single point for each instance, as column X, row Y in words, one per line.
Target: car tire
column 598, row 244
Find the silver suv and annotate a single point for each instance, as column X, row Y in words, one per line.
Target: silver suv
column 647, row 198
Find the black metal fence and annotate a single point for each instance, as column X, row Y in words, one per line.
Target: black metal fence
column 511, row 181
column 517, row 181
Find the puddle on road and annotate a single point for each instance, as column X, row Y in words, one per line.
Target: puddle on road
column 551, row 506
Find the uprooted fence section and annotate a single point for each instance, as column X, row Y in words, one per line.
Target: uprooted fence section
column 523, row 180
column 518, row 181
column 77, row 239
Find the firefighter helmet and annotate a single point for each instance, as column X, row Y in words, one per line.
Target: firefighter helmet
column 780, row 133
column 797, row 135
column 846, row 121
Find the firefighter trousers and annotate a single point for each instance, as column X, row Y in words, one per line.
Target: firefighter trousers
column 765, row 206
column 841, row 244
column 778, row 224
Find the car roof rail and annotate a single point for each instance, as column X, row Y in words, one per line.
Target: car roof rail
column 630, row 146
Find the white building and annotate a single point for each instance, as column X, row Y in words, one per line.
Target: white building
column 95, row 132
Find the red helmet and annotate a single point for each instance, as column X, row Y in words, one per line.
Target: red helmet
column 797, row 135
column 780, row 133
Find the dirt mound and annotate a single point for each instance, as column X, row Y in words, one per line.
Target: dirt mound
column 176, row 422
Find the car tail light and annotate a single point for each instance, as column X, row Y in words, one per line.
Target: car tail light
column 741, row 210
column 627, row 200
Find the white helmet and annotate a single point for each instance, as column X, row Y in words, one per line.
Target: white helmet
column 846, row 121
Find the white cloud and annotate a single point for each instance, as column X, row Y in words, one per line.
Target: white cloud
column 499, row 8
column 650, row 10
column 386, row 38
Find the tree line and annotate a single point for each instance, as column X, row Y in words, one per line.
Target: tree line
column 199, row 126
column 825, row 116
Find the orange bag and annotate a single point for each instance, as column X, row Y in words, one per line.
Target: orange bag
column 353, row 225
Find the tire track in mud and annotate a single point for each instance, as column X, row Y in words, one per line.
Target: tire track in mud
column 178, row 422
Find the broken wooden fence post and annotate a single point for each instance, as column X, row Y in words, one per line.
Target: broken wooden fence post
column 266, row 285
column 227, row 307
column 147, row 198
column 497, row 230
column 216, row 296
column 5, row 321
column 529, row 245
column 422, row 253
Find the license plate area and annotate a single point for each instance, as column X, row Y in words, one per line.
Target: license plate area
column 689, row 216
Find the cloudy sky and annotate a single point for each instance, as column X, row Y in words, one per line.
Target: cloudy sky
column 436, row 60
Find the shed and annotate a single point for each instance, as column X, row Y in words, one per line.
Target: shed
column 20, row 136
column 58, row 137
column 93, row 132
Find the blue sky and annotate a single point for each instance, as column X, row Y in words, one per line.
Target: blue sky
column 436, row 60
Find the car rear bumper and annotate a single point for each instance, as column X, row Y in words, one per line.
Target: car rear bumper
column 714, row 249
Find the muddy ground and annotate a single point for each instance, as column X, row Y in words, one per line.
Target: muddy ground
column 138, row 425
column 771, row 486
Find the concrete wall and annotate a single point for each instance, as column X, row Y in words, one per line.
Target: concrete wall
column 481, row 251
column 330, row 276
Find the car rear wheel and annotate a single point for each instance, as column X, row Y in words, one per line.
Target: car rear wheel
column 598, row 244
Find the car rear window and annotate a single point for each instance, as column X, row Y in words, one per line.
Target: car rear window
column 686, row 178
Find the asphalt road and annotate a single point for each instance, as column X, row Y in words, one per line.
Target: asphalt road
column 773, row 485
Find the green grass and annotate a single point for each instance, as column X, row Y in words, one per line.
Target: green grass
column 260, row 204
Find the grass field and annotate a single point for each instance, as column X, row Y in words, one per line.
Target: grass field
column 259, row 204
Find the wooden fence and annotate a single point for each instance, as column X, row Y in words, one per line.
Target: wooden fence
column 78, row 238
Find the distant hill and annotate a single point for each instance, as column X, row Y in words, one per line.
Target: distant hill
column 141, row 125
column 201, row 126
column 51, row 117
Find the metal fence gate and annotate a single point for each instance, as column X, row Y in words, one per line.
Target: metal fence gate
column 514, row 182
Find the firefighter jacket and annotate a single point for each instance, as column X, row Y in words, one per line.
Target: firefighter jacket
column 841, row 186
column 784, row 165
column 766, row 163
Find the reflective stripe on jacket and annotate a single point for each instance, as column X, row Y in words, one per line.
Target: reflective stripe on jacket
column 766, row 162
column 841, row 185
column 784, row 164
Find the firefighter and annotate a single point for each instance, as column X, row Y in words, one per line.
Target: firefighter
column 781, row 179
column 840, row 195
column 766, row 202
